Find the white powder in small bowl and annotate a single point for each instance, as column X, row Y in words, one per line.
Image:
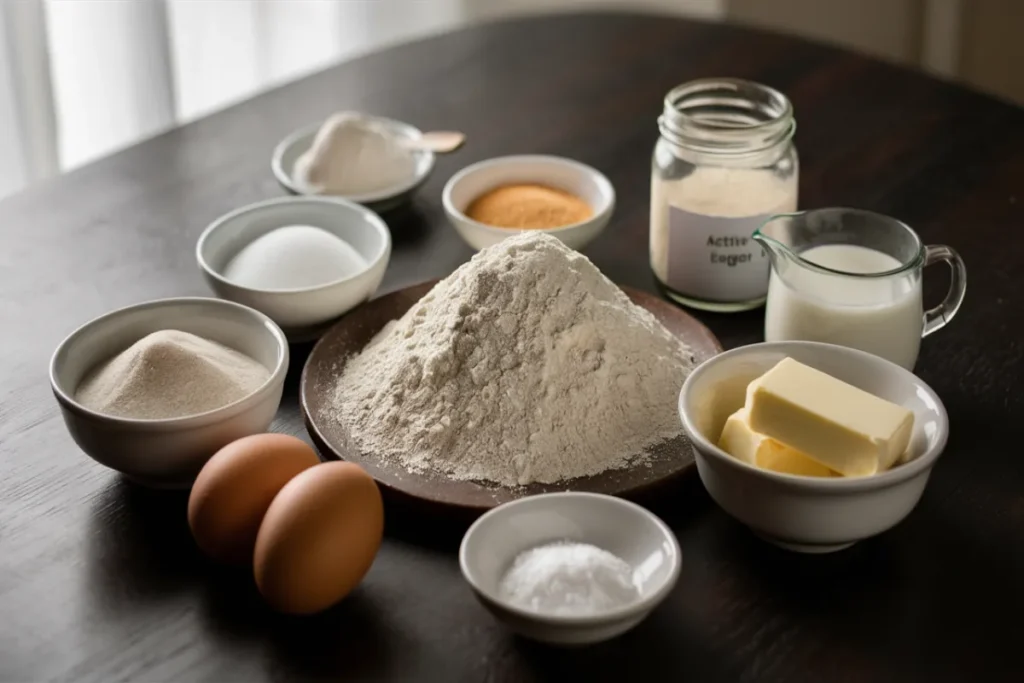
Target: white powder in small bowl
column 569, row 579
column 354, row 155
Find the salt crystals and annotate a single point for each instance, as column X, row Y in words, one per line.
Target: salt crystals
column 569, row 579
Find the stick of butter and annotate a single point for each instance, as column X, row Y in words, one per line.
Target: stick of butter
column 839, row 425
column 743, row 443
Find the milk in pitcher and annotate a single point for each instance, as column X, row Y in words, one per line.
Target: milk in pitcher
column 880, row 315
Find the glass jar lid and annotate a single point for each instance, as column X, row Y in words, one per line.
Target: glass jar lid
column 727, row 116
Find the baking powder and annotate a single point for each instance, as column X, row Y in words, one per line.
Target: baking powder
column 354, row 155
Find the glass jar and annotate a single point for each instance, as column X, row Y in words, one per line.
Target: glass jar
column 725, row 163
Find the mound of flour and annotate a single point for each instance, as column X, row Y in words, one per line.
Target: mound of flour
column 524, row 365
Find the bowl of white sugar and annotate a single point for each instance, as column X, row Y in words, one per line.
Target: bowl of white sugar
column 570, row 568
column 154, row 390
column 303, row 261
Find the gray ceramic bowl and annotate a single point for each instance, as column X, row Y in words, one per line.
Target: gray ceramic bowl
column 303, row 313
column 295, row 145
column 618, row 526
column 168, row 453
column 810, row 514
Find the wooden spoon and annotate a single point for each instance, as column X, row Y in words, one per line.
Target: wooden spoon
column 438, row 141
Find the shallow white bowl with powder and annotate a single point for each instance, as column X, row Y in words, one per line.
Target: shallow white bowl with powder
column 304, row 313
column 288, row 151
column 168, row 453
column 620, row 527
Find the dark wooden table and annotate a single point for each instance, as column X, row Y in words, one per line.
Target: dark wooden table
column 99, row 579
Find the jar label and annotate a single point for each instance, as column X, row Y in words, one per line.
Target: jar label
column 716, row 258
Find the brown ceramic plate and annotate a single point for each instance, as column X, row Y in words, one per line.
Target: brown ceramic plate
column 668, row 460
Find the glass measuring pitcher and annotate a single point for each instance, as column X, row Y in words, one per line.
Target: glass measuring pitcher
column 852, row 277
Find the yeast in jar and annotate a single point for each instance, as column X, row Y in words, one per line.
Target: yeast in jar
column 724, row 164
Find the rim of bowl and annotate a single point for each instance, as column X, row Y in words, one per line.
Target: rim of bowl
column 890, row 477
column 371, row 218
column 645, row 604
column 600, row 178
column 404, row 129
column 196, row 419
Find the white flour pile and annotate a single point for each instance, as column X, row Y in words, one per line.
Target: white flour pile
column 524, row 365
column 170, row 374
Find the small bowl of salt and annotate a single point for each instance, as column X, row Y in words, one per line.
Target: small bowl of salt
column 302, row 261
column 570, row 568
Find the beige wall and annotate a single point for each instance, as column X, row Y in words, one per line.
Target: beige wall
column 487, row 9
column 992, row 46
column 886, row 28
column 979, row 42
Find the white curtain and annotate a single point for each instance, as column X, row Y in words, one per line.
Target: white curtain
column 80, row 79
column 28, row 142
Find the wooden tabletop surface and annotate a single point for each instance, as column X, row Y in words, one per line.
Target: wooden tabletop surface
column 100, row 581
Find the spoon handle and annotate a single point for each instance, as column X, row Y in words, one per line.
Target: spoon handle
column 438, row 141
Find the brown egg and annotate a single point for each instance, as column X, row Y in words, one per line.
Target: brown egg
column 319, row 538
column 235, row 488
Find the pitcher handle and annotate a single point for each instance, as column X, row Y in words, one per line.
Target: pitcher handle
column 936, row 318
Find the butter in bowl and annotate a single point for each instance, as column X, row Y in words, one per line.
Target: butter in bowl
column 813, row 446
column 798, row 420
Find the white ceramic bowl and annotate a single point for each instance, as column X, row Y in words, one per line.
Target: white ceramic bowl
column 810, row 514
column 618, row 526
column 298, row 143
column 306, row 312
column 585, row 182
column 168, row 453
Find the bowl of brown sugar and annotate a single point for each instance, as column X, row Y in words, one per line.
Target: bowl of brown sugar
column 500, row 197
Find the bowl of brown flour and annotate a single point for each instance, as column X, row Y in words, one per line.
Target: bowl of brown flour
column 154, row 390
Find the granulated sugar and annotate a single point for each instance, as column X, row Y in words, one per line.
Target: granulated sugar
column 170, row 374
column 524, row 365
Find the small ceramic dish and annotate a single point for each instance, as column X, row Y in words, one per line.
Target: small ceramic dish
column 616, row 525
column 304, row 313
column 810, row 514
column 298, row 143
column 585, row 182
column 168, row 453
